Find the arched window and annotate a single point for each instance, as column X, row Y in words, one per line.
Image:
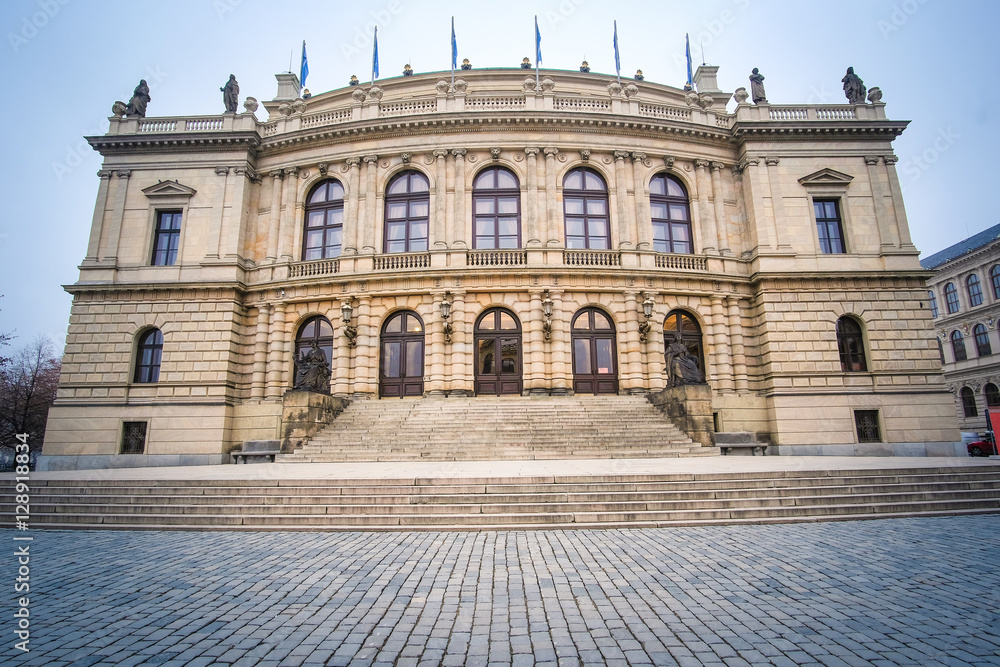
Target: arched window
column 974, row 290
column 951, row 298
column 595, row 368
column 683, row 323
column 407, row 210
column 668, row 204
column 585, row 205
column 148, row 356
column 958, row 346
column 851, row 345
column 498, row 353
column 324, row 221
column 992, row 395
column 934, row 308
column 969, row 403
column 316, row 330
column 995, row 280
column 496, row 200
column 401, row 367
column 983, row 348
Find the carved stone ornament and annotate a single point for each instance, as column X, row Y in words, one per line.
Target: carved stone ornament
column 384, row 163
column 442, row 87
column 548, row 85
column 430, row 160
column 562, row 157
column 585, row 155
column 614, row 89
column 528, row 85
column 631, row 90
column 119, row 108
column 691, row 98
column 322, row 167
column 741, row 95
column 375, row 93
column 874, row 94
column 472, row 157
column 607, row 159
column 250, row 104
column 495, row 154
column 460, row 86
column 299, row 106
column 706, row 101
column 359, row 94
column 405, row 157
column 668, row 161
column 285, row 109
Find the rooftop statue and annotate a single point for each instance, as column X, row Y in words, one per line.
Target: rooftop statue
column 757, row 87
column 854, row 87
column 140, row 98
column 231, row 94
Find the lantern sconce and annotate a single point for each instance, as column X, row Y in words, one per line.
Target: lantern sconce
column 547, row 308
column 445, row 314
column 346, row 311
column 647, row 311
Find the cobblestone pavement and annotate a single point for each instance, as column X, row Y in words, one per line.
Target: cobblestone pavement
column 888, row 592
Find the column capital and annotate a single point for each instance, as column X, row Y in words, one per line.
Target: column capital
column 638, row 156
column 276, row 174
column 621, row 155
column 702, row 164
column 220, row 170
column 550, row 151
column 440, row 153
column 291, row 171
column 890, row 159
column 459, row 152
column 123, row 173
column 871, row 160
column 371, row 159
column 771, row 161
column 352, row 162
column 104, row 173
column 718, row 166
column 531, row 151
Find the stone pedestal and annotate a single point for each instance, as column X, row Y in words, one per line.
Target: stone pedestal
column 304, row 413
column 689, row 407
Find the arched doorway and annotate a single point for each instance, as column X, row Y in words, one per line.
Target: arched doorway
column 498, row 353
column 401, row 367
column 595, row 368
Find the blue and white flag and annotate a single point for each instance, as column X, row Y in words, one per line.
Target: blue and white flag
column 304, row 70
column 687, row 48
column 375, row 57
column 538, row 44
column 454, row 47
column 618, row 64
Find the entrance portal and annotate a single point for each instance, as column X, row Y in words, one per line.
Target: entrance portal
column 498, row 353
column 401, row 368
column 595, row 370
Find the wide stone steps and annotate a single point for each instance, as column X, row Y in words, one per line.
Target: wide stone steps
column 506, row 503
column 505, row 428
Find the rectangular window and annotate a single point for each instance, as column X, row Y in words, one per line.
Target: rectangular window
column 831, row 233
column 167, row 238
column 133, row 437
column 866, row 422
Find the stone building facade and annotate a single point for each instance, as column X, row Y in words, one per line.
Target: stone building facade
column 495, row 236
column 964, row 298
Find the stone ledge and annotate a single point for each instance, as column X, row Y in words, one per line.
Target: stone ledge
column 96, row 461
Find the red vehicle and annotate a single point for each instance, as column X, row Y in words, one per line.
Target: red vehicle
column 981, row 447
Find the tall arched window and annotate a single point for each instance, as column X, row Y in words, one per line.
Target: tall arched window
column 934, row 308
column 958, row 346
column 995, row 280
column 407, row 211
column 992, row 395
column 683, row 323
column 851, row 345
column 668, row 204
column 324, row 221
column 316, row 330
column 496, row 200
column 974, row 290
column 951, row 298
column 585, row 206
column 982, row 336
column 148, row 355
column 969, row 403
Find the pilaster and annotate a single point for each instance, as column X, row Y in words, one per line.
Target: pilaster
column 97, row 223
column 621, row 197
column 553, row 236
column 459, row 227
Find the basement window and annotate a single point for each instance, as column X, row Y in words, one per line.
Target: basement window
column 866, row 421
column 133, row 437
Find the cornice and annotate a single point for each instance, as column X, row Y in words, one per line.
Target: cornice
column 793, row 131
column 132, row 144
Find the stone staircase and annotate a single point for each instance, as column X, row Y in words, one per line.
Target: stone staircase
column 519, row 503
column 498, row 428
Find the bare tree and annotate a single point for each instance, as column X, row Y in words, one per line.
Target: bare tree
column 5, row 339
column 28, row 383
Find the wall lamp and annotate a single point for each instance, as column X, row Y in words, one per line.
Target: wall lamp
column 547, row 308
column 346, row 312
column 647, row 311
column 445, row 314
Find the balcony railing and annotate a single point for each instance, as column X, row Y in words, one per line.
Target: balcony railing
column 681, row 262
column 591, row 258
column 496, row 258
column 410, row 260
column 319, row 267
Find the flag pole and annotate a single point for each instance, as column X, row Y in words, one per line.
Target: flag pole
column 618, row 66
column 454, row 55
column 538, row 50
column 374, row 54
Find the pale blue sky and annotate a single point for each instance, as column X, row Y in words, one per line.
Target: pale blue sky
column 64, row 62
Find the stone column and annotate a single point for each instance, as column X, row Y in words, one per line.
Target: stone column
column 440, row 234
column 434, row 358
column 342, row 358
column 655, row 353
column 274, row 216
column 902, row 227
column 534, row 347
column 532, row 235
column 371, row 205
column 553, row 216
column 777, row 200
column 97, row 223
column 366, row 353
column 629, row 353
column 276, row 352
column 643, row 222
column 461, row 345
column 218, row 209
column 459, row 228
column 290, row 198
column 723, row 379
column 709, row 235
column 353, row 219
column 621, row 187
column 562, row 360
column 722, row 229
column 736, row 338
column 259, row 377
column 117, row 214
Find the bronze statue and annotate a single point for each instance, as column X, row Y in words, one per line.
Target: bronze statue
column 313, row 373
column 682, row 368
column 757, row 87
column 140, row 98
column 231, row 94
column 854, row 87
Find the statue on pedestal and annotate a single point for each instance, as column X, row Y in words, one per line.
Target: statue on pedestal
column 757, row 87
column 231, row 94
column 854, row 87
column 140, row 98
column 682, row 367
column 313, row 373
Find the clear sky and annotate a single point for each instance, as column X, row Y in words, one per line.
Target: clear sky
column 64, row 62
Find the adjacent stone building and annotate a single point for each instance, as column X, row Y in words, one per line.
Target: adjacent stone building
column 498, row 236
column 964, row 297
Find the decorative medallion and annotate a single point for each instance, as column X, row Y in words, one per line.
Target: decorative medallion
column 607, row 159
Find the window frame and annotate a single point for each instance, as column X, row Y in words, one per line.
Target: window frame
column 409, row 198
column 957, row 344
column 851, row 346
column 587, row 196
column 824, row 224
column 668, row 223
column 864, row 433
column 148, row 373
column 981, row 335
column 951, row 298
column 133, row 425
column 495, row 194
column 327, row 207
column 170, row 234
column 968, row 400
column 995, row 281
column 974, row 290
column 933, row 303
